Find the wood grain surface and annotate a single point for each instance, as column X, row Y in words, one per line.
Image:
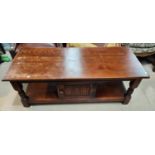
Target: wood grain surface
column 42, row 64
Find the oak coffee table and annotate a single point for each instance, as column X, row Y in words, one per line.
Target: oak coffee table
column 75, row 75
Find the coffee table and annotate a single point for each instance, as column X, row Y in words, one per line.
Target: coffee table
column 75, row 75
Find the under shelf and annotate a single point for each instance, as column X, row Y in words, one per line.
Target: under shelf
column 43, row 93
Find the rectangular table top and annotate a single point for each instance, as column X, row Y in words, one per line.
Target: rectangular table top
column 33, row 64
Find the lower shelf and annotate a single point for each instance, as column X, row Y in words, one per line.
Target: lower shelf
column 43, row 93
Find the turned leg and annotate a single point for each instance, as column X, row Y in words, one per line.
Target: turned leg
column 19, row 87
column 132, row 85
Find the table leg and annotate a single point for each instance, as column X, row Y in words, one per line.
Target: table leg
column 132, row 85
column 19, row 87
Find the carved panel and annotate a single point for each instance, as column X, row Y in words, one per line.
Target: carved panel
column 75, row 90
